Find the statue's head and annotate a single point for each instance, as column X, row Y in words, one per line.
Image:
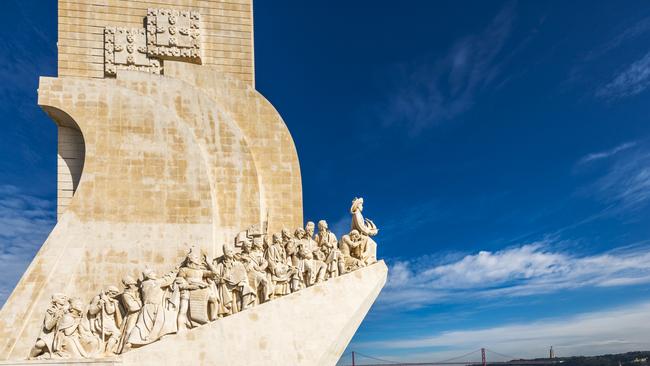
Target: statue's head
column 299, row 233
column 277, row 238
column 228, row 251
column 354, row 234
column 357, row 205
column 322, row 226
column 246, row 245
column 194, row 256
column 286, row 234
column 76, row 306
column 258, row 241
column 149, row 274
column 309, row 228
column 59, row 299
column 112, row 291
column 129, row 281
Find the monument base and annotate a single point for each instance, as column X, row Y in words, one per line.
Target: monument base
column 310, row 327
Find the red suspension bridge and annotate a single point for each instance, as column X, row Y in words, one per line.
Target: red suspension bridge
column 477, row 357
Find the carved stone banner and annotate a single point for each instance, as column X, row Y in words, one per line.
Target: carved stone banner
column 174, row 34
column 126, row 49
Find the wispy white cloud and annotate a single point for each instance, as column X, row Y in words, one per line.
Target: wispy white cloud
column 25, row 222
column 514, row 272
column 626, row 183
column 631, row 81
column 607, row 153
column 627, row 33
column 616, row 330
column 437, row 91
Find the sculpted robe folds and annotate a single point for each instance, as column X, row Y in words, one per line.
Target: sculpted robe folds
column 132, row 306
column 68, row 341
column 232, row 286
column 158, row 315
column 368, row 229
column 279, row 269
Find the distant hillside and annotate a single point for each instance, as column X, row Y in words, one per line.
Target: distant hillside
column 624, row 359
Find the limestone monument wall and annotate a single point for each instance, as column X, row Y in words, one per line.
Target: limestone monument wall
column 188, row 158
column 227, row 27
column 227, row 46
column 179, row 207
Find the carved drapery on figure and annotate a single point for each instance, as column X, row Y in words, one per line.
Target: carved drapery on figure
column 201, row 290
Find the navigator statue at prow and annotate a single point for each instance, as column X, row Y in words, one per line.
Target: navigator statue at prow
column 202, row 290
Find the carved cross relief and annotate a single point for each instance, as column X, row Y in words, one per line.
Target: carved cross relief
column 169, row 34
column 127, row 49
column 173, row 34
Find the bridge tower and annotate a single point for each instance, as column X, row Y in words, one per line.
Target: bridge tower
column 483, row 358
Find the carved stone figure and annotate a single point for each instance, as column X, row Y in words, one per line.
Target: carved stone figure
column 290, row 244
column 354, row 247
column 253, row 260
column 72, row 334
column 235, row 293
column 328, row 245
column 197, row 298
column 364, row 226
column 105, row 318
column 158, row 315
column 58, row 307
column 279, row 267
column 131, row 305
column 312, row 268
column 200, row 291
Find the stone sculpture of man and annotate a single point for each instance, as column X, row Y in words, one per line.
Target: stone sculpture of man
column 329, row 246
column 310, row 228
column 290, row 247
column 279, row 267
column 312, row 269
column 290, row 244
column 72, row 334
column 43, row 347
column 158, row 316
column 235, row 293
column 253, row 259
column 131, row 304
column 365, row 227
column 106, row 319
column 353, row 246
column 197, row 298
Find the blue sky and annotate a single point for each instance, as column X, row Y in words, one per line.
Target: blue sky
column 503, row 148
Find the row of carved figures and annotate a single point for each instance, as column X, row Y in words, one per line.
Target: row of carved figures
column 254, row 270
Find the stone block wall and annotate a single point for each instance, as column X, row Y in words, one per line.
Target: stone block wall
column 226, row 28
column 70, row 161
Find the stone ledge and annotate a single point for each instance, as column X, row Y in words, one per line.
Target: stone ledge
column 107, row 362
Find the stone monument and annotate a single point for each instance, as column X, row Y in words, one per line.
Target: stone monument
column 179, row 195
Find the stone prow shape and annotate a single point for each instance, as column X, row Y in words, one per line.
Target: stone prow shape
column 310, row 327
column 168, row 163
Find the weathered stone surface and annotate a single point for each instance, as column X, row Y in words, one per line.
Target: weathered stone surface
column 166, row 166
column 153, row 165
column 309, row 327
column 226, row 33
column 280, row 332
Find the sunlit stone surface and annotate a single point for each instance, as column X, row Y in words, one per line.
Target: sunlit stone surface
column 179, row 198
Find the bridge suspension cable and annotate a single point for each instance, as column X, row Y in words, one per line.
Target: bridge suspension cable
column 508, row 357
